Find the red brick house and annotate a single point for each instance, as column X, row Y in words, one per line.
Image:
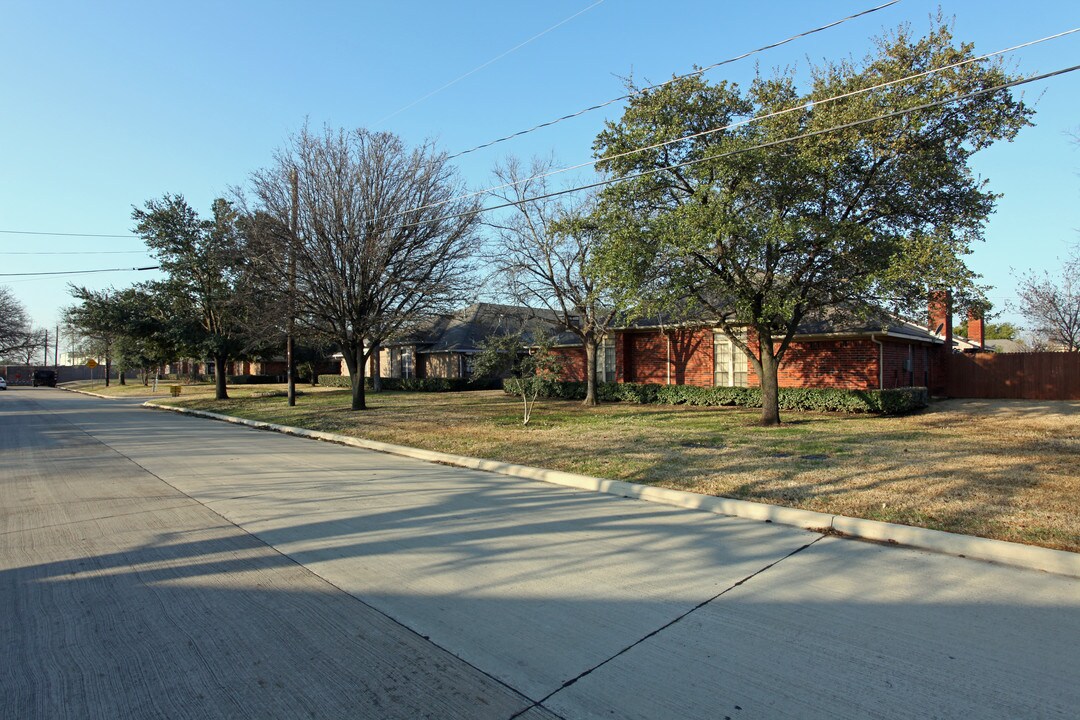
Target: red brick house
column 855, row 356
column 444, row 346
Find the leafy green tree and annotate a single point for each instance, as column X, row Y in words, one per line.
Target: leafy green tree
column 838, row 208
column 128, row 327
column 993, row 331
column 528, row 361
column 98, row 320
column 147, row 339
column 202, row 260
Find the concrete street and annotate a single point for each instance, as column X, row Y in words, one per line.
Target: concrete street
column 156, row 565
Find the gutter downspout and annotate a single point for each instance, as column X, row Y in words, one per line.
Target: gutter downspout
column 667, row 344
column 668, row 339
column 880, row 362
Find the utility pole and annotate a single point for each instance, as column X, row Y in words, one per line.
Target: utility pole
column 56, row 349
column 290, row 329
column 45, row 355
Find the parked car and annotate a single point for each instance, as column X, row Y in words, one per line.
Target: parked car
column 45, row 377
column 3, row 383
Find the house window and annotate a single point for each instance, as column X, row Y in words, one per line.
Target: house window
column 394, row 366
column 406, row 363
column 605, row 361
column 729, row 362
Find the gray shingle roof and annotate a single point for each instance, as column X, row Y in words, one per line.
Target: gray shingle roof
column 466, row 330
column 838, row 324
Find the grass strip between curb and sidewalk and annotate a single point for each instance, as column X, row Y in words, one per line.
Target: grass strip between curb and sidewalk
column 1008, row 553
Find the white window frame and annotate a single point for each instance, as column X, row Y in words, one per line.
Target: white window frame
column 735, row 372
column 605, row 360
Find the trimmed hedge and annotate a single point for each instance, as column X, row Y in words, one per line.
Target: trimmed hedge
column 186, row 377
column 334, row 381
column 884, row 402
column 417, row 384
column 251, row 379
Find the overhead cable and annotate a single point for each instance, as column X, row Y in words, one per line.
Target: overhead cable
column 773, row 143
column 82, row 252
column 80, row 272
column 489, row 62
column 745, row 121
column 62, row 234
column 699, row 71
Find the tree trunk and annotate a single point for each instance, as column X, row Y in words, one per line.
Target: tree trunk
column 376, row 369
column 120, row 376
column 220, row 392
column 590, row 372
column 357, row 371
column 770, row 384
column 108, row 370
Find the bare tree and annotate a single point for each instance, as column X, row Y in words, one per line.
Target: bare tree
column 542, row 256
column 32, row 344
column 14, row 324
column 381, row 239
column 1052, row 305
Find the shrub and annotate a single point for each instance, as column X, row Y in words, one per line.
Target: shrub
column 885, row 402
column 251, row 379
column 335, row 381
column 417, row 384
column 273, row 393
column 186, row 377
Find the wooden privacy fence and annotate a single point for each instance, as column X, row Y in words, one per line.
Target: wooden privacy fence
column 1027, row 376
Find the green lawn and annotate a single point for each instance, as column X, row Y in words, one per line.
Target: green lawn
column 999, row 469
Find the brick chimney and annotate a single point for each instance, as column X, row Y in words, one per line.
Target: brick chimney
column 975, row 328
column 940, row 315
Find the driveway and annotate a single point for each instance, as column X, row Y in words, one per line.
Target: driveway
column 160, row 561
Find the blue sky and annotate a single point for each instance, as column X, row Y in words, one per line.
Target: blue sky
column 106, row 105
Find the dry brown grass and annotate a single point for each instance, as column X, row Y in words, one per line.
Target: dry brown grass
column 1000, row 469
column 202, row 391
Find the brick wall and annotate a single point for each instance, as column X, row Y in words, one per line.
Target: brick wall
column 573, row 362
column 906, row 364
column 849, row 364
column 643, row 357
column 647, row 358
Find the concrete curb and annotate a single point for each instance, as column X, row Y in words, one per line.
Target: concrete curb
column 87, row 392
column 999, row 551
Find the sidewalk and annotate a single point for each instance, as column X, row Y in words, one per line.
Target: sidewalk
column 1008, row 553
column 598, row 606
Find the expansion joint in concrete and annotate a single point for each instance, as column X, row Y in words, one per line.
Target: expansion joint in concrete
column 675, row 621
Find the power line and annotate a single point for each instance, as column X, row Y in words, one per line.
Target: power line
column 700, row 71
column 489, row 62
column 668, row 142
column 589, row 163
column 80, row 272
column 61, row 234
column 542, row 125
column 746, row 121
column 83, row 252
column 773, row 143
